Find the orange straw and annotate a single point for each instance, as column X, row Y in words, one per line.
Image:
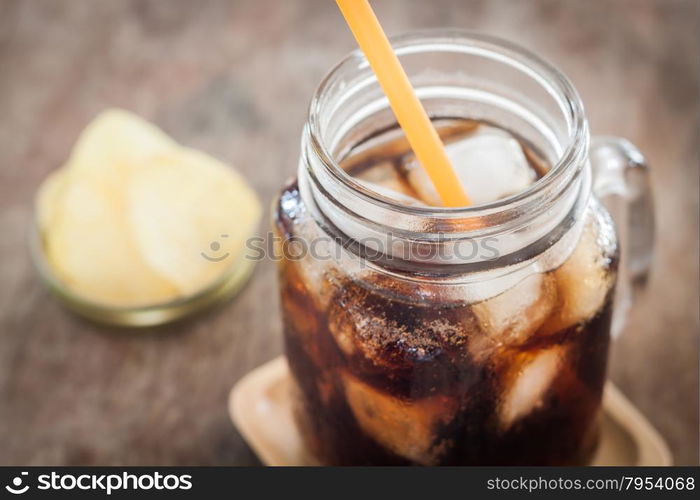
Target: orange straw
column 409, row 111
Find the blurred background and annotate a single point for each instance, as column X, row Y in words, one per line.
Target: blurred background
column 234, row 79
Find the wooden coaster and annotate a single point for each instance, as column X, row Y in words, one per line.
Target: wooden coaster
column 260, row 407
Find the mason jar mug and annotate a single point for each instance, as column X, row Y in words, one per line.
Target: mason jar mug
column 421, row 334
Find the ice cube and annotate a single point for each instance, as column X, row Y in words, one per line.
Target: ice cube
column 386, row 180
column 297, row 301
column 527, row 383
column 392, row 193
column 584, row 280
column 513, row 316
column 385, row 174
column 392, row 333
column 319, row 274
column 490, row 163
column 313, row 266
column 342, row 328
column 408, row 428
column 366, row 324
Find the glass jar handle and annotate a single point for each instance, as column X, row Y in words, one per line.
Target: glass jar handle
column 621, row 183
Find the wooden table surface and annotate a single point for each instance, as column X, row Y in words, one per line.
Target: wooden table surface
column 234, row 78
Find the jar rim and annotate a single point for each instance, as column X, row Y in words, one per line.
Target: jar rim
column 464, row 41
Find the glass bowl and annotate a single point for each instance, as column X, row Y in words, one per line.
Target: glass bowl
column 223, row 288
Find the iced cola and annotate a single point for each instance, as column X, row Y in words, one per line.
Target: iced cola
column 393, row 370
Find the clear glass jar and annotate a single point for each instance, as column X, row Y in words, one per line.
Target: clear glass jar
column 432, row 335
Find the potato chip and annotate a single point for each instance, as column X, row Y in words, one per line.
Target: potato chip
column 116, row 142
column 90, row 247
column 133, row 219
column 191, row 215
column 49, row 197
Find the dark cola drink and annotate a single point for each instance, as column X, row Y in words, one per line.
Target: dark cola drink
column 390, row 369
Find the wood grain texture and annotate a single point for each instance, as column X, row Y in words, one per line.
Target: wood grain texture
column 234, row 78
